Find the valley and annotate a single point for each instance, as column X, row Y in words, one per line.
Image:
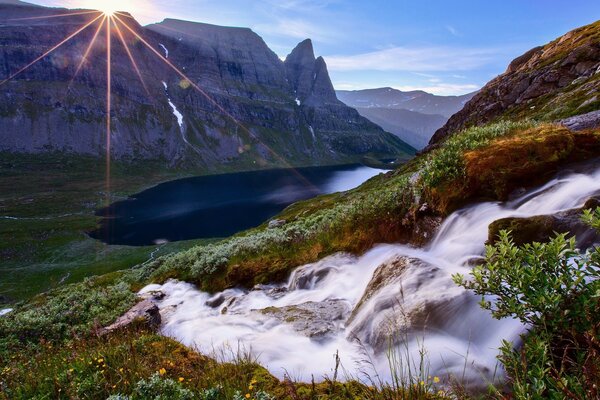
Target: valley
column 193, row 216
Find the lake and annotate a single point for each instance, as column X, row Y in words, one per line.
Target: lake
column 218, row 205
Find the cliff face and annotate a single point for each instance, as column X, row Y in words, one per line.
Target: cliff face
column 242, row 107
column 551, row 82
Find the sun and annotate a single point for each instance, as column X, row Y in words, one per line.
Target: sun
column 108, row 7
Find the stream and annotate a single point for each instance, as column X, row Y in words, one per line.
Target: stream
column 395, row 299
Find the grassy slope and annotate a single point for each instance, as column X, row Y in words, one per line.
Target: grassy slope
column 54, row 198
column 382, row 210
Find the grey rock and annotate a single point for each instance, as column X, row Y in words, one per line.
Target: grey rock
column 590, row 120
column 312, row 319
column 276, row 223
column 405, row 294
column 146, row 311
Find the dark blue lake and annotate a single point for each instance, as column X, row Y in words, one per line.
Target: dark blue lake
column 218, row 205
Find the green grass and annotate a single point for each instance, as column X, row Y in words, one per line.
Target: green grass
column 53, row 198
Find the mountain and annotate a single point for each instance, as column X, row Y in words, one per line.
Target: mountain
column 417, row 100
column 412, row 127
column 235, row 104
column 412, row 116
column 551, row 82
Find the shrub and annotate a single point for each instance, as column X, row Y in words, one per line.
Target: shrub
column 554, row 290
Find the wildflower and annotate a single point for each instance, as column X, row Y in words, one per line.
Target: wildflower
column 250, row 387
column 441, row 393
column 422, row 383
column 162, row 371
column 181, row 379
column 248, row 395
column 71, row 370
column 100, row 360
column 253, row 382
column 436, row 379
column 120, row 369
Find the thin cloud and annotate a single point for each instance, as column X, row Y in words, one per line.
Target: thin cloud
column 413, row 59
column 298, row 29
column 453, row 31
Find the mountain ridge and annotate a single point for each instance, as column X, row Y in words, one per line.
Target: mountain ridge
column 244, row 115
column 413, row 116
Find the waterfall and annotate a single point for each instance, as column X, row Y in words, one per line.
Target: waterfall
column 351, row 305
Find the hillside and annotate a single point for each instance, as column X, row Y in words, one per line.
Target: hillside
column 412, row 116
column 551, row 82
column 235, row 110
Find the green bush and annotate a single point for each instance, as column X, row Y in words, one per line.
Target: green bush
column 554, row 290
column 157, row 388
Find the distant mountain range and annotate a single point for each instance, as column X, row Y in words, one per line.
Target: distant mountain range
column 239, row 106
column 413, row 116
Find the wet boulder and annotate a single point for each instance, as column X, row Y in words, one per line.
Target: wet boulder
column 542, row 228
column 405, row 295
column 313, row 319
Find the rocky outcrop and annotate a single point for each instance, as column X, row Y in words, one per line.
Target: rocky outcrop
column 550, row 82
column 543, row 228
column 312, row 319
column 582, row 122
column 405, row 294
column 236, row 108
column 145, row 312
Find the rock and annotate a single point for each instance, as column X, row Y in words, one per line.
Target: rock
column 314, row 320
column 590, row 120
column 542, row 228
column 276, row 223
column 405, row 294
column 145, row 311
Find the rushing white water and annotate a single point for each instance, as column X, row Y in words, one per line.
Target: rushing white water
column 459, row 337
column 5, row 311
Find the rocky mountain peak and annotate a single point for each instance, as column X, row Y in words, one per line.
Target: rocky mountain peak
column 309, row 76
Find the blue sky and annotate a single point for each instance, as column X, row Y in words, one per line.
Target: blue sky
column 445, row 47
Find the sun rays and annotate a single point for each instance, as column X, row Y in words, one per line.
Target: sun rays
column 112, row 22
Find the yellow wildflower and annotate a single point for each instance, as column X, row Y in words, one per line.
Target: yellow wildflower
column 162, row 371
column 436, row 379
column 120, row 369
column 250, row 387
column 253, row 382
column 181, row 379
column 100, row 360
column 422, row 383
column 248, row 395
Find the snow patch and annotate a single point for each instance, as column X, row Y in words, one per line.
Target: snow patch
column 165, row 49
column 312, row 132
column 176, row 112
column 298, row 102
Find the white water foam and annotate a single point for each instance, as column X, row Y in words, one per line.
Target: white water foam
column 463, row 340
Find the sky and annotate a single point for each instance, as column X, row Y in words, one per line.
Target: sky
column 446, row 47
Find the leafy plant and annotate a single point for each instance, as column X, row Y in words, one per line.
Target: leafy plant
column 554, row 290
